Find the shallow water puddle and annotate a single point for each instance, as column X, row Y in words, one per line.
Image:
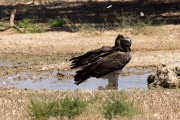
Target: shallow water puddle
column 134, row 79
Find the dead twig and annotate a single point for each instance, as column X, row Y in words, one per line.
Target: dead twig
column 13, row 13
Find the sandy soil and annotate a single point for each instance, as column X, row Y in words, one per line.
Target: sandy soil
column 49, row 43
column 51, row 51
column 150, row 46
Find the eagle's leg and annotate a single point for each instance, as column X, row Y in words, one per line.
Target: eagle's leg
column 112, row 80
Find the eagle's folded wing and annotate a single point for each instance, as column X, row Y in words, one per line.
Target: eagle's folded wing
column 89, row 57
column 110, row 63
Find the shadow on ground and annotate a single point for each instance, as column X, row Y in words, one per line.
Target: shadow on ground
column 98, row 13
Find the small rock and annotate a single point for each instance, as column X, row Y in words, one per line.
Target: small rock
column 156, row 115
column 60, row 75
column 43, row 69
column 170, row 37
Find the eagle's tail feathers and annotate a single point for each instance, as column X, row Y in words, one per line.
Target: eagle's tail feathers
column 82, row 75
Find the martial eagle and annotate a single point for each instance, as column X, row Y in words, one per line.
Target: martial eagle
column 103, row 62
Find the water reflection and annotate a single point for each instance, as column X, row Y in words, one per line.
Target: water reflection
column 52, row 83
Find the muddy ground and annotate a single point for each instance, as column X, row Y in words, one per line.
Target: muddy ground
column 50, row 51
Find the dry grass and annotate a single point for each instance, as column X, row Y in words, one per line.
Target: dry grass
column 158, row 104
column 154, row 104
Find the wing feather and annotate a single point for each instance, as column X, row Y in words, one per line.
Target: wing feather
column 113, row 62
column 103, row 66
column 89, row 57
column 93, row 56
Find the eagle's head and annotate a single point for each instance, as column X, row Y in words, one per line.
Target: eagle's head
column 123, row 42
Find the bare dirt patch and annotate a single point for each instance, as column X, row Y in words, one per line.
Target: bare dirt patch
column 163, row 38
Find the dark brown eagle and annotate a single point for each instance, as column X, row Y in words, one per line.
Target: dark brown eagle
column 103, row 62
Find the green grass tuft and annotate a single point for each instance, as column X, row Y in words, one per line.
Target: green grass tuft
column 25, row 23
column 71, row 107
column 1, row 24
column 57, row 22
column 35, row 29
column 42, row 109
column 64, row 22
column 71, row 26
column 28, row 26
column 118, row 106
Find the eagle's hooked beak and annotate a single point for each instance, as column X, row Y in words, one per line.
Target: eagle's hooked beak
column 128, row 49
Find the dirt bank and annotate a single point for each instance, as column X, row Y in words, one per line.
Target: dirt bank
column 147, row 39
column 150, row 46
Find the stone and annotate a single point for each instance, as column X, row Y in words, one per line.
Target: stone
column 166, row 76
column 44, row 69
